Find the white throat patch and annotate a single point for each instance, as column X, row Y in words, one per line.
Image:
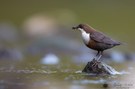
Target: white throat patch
column 85, row 36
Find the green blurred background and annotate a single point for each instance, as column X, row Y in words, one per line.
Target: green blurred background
column 114, row 17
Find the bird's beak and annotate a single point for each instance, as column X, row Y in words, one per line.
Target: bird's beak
column 74, row 27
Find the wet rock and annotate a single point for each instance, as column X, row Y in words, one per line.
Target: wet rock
column 50, row 59
column 100, row 68
column 105, row 85
column 10, row 54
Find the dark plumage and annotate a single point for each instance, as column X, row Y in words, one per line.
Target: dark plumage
column 97, row 40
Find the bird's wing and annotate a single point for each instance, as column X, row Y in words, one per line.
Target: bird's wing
column 101, row 38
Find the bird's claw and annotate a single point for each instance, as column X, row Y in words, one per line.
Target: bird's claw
column 95, row 63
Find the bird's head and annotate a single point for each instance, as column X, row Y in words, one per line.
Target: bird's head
column 84, row 27
column 80, row 26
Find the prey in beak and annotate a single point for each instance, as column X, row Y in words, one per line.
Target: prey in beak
column 75, row 27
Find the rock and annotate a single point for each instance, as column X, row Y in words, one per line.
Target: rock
column 10, row 54
column 99, row 69
column 50, row 59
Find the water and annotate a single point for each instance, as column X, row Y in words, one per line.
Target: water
column 28, row 75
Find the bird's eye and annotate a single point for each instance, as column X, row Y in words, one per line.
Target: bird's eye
column 80, row 26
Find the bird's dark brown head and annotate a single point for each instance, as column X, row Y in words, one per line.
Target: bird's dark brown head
column 85, row 27
column 79, row 26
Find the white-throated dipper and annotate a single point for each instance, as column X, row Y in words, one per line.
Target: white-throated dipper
column 96, row 40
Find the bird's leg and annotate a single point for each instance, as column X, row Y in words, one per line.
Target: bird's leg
column 96, row 55
column 95, row 63
column 98, row 59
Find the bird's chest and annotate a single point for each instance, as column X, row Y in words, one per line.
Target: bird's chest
column 86, row 37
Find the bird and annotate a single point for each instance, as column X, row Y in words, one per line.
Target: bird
column 96, row 40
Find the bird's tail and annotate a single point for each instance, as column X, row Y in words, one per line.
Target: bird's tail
column 121, row 43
